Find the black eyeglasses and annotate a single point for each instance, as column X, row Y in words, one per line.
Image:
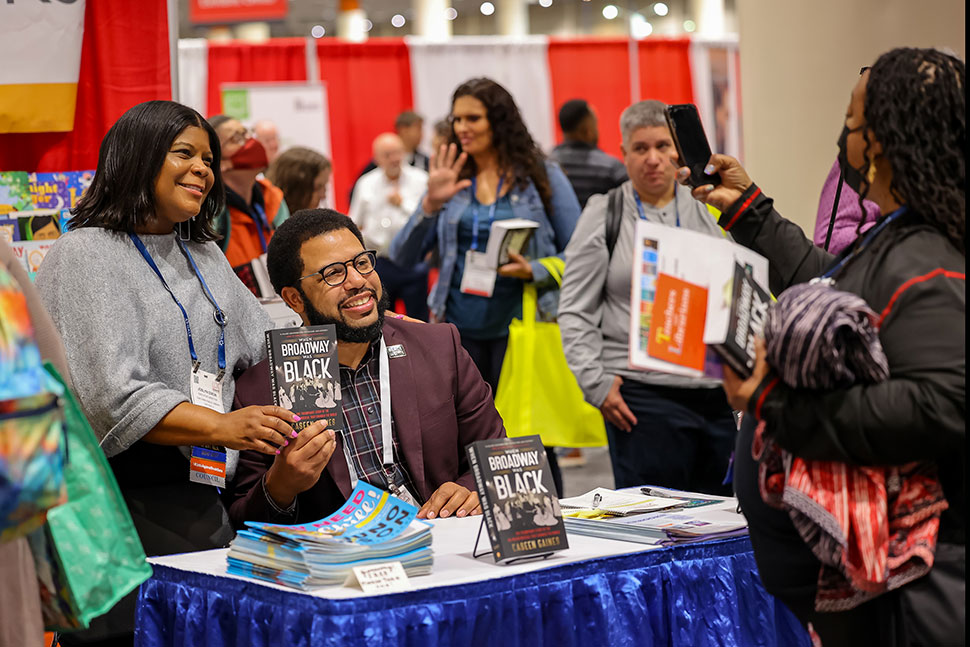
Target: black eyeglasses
column 336, row 273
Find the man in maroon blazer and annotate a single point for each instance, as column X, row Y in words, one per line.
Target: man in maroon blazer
column 439, row 401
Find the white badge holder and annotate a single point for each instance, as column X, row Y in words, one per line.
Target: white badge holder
column 478, row 277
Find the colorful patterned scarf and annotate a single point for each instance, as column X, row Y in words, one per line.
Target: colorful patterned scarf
column 873, row 528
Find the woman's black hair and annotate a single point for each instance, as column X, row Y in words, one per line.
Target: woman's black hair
column 916, row 107
column 518, row 153
column 122, row 195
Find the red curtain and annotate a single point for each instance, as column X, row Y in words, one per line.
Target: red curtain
column 281, row 59
column 665, row 70
column 124, row 61
column 597, row 70
column 368, row 85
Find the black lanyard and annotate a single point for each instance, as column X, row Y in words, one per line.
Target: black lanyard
column 218, row 315
column 832, row 271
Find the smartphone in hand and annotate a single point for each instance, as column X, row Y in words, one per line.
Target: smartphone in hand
column 692, row 148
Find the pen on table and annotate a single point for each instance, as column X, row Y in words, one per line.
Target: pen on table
column 650, row 492
column 596, row 500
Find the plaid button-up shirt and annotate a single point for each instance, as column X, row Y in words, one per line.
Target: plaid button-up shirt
column 361, row 403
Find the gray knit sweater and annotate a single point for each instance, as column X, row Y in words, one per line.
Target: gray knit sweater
column 125, row 337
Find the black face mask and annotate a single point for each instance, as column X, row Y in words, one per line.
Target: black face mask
column 852, row 176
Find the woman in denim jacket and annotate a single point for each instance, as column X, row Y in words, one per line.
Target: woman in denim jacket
column 491, row 170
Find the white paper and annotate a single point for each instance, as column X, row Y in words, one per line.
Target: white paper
column 388, row 577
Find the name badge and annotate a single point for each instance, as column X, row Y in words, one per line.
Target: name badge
column 395, row 351
column 207, row 465
column 478, row 277
column 404, row 495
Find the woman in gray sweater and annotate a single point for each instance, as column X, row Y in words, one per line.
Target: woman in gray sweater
column 155, row 325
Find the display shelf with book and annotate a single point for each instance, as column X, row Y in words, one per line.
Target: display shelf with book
column 519, row 505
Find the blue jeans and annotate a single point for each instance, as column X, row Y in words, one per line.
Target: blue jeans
column 683, row 439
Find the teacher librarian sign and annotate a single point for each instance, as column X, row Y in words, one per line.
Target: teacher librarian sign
column 41, row 50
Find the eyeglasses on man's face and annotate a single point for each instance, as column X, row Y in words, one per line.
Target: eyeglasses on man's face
column 335, row 274
column 238, row 138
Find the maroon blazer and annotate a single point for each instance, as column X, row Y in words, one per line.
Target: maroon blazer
column 440, row 404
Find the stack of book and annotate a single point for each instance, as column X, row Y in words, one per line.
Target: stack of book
column 371, row 527
column 662, row 517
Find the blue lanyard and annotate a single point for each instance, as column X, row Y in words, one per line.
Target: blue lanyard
column 865, row 242
column 643, row 215
column 491, row 210
column 261, row 223
column 218, row 315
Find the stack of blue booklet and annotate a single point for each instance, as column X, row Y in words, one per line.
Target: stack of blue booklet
column 372, row 526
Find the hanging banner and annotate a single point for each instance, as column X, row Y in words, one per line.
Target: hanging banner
column 41, row 52
column 227, row 11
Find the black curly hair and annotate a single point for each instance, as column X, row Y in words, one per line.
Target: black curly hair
column 517, row 151
column 916, row 107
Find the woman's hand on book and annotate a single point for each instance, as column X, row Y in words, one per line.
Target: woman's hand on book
column 517, row 267
column 450, row 499
column 300, row 463
column 262, row 428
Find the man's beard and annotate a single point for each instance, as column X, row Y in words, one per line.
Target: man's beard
column 346, row 332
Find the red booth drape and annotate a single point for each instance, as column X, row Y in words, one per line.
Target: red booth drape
column 281, row 59
column 368, row 85
column 665, row 70
column 598, row 70
column 124, row 61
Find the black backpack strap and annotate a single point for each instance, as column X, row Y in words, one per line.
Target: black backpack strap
column 614, row 215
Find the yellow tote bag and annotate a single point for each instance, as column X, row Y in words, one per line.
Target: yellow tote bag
column 537, row 393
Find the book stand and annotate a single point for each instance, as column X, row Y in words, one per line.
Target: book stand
column 478, row 538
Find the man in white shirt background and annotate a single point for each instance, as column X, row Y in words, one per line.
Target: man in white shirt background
column 383, row 200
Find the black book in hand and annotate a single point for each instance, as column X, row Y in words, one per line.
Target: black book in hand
column 305, row 374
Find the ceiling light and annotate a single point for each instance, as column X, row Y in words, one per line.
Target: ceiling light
column 610, row 12
column 397, row 20
column 545, row 3
column 487, row 8
column 451, row 13
column 639, row 27
column 660, row 9
column 368, row 25
column 689, row 25
column 318, row 31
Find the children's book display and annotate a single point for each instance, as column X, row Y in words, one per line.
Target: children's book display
column 34, row 210
column 688, row 301
column 371, row 527
column 518, row 498
column 653, row 516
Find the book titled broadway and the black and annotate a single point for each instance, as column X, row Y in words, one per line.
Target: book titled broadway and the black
column 749, row 308
column 305, row 374
column 518, row 497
